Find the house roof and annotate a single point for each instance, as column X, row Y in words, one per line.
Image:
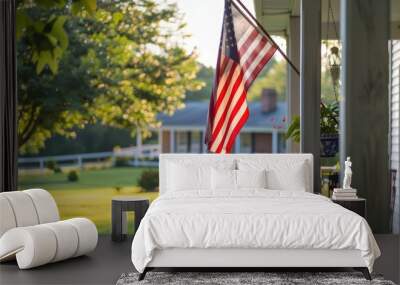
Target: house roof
column 194, row 115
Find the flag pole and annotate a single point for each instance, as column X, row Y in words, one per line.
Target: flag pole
column 266, row 33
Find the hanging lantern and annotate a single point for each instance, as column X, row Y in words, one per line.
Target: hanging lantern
column 334, row 65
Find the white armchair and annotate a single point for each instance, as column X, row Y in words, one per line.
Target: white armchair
column 31, row 230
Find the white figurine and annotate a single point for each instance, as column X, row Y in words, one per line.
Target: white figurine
column 347, row 174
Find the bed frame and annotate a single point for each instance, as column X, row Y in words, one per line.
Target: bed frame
column 246, row 259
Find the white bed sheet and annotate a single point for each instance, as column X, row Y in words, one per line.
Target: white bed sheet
column 252, row 218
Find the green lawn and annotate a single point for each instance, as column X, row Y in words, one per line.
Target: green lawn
column 90, row 196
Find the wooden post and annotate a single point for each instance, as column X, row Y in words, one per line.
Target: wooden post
column 41, row 165
column 160, row 140
column 364, row 112
column 310, row 83
column 237, row 144
column 172, row 140
column 274, row 141
column 293, row 79
column 189, row 141
column 80, row 163
column 203, row 137
column 138, row 146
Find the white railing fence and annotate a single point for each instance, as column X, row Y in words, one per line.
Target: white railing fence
column 143, row 155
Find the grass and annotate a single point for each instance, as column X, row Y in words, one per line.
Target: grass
column 91, row 195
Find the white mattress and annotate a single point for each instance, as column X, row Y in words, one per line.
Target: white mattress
column 252, row 219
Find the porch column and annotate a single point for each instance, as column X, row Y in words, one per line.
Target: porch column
column 189, row 141
column 172, row 140
column 293, row 79
column 237, row 144
column 203, row 139
column 310, row 83
column 274, row 141
column 160, row 142
column 364, row 110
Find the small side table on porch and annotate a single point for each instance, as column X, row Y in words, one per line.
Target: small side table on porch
column 358, row 206
column 120, row 205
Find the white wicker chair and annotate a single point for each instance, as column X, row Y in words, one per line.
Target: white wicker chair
column 31, row 230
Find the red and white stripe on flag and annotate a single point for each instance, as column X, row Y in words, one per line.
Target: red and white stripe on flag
column 243, row 53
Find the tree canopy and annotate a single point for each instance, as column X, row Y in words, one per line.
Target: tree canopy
column 206, row 75
column 41, row 26
column 122, row 65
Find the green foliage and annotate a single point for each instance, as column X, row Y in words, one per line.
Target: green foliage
column 120, row 67
column 83, row 5
column 57, row 169
column 73, row 176
column 149, row 180
column 206, row 75
column 40, row 23
column 53, row 104
column 122, row 161
column 140, row 70
column 51, row 164
column 329, row 122
column 91, row 195
column 293, row 130
column 92, row 138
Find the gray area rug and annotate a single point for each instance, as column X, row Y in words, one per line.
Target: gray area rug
column 233, row 278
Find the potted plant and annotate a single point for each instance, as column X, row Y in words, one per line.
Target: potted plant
column 329, row 121
column 329, row 124
column 329, row 129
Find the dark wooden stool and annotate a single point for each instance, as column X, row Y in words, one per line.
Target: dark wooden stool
column 122, row 204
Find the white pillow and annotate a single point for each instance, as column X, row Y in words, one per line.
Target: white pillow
column 188, row 177
column 223, row 179
column 281, row 174
column 251, row 178
column 292, row 178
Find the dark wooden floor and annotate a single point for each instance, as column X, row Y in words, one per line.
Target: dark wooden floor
column 103, row 266
column 110, row 260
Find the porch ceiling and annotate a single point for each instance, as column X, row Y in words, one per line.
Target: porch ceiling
column 274, row 15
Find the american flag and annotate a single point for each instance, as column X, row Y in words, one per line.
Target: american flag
column 243, row 52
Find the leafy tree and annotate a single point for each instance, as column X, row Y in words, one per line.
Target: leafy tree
column 139, row 67
column 206, row 75
column 123, row 65
column 43, row 33
column 52, row 104
column 93, row 138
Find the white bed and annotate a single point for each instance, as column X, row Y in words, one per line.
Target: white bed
column 280, row 225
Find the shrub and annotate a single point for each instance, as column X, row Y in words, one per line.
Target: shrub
column 122, row 161
column 51, row 164
column 57, row 169
column 73, row 176
column 148, row 180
